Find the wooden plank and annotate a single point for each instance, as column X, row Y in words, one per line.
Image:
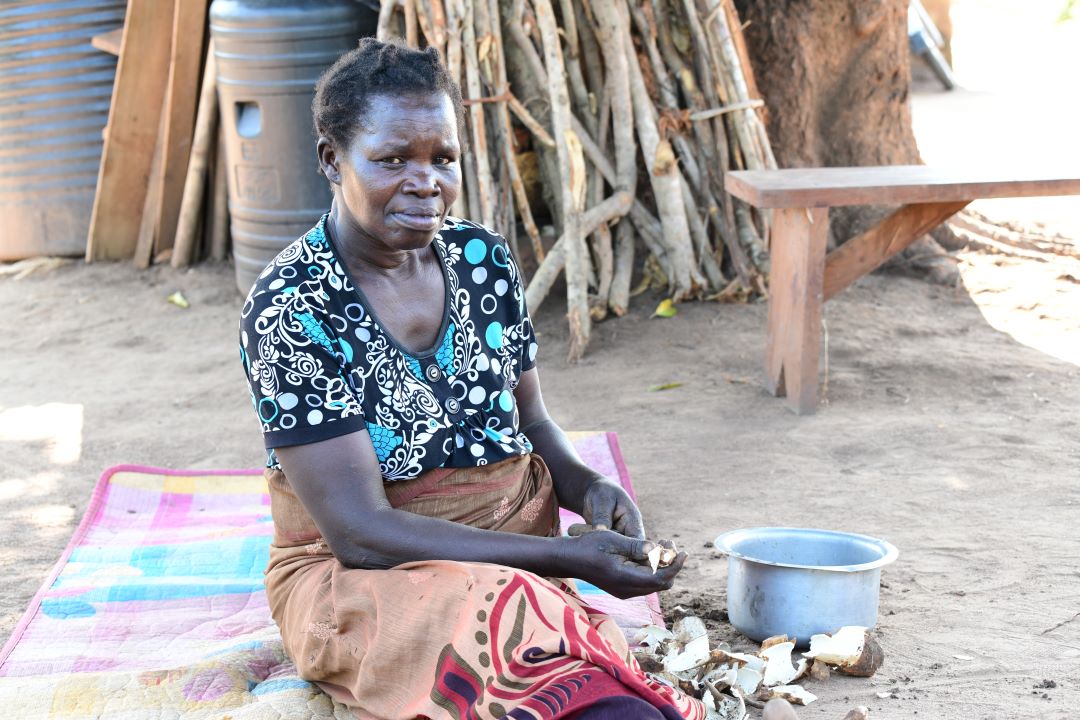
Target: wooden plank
column 191, row 205
column 189, row 28
column 892, row 185
column 867, row 251
column 133, row 125
column 799, row 238
column 109, row 41
column 148, row 228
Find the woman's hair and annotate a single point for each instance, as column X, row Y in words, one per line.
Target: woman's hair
column 342, row 94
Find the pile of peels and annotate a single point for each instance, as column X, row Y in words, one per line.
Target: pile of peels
column 728, row 681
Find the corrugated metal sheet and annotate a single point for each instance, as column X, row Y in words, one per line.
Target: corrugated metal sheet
column 55, row 90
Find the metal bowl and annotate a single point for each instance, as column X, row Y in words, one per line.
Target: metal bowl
column 799, row 582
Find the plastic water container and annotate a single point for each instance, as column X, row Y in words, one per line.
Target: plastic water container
column 269, row 55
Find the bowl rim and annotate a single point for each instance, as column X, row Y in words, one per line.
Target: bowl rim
column 724, row 542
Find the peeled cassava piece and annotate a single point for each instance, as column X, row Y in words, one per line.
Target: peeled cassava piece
column 778, row 668
column 852, row 650
column 661, row 556
column 793, row 694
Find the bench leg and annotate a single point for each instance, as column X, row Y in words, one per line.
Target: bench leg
column 798, row 244
column 863, row 253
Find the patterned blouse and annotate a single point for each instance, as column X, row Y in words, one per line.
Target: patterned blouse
column 319, row 363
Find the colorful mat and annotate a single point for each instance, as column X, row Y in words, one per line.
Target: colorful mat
column 156, row 609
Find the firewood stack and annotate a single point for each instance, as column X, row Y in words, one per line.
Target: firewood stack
column 629, row 112
column 162, row 193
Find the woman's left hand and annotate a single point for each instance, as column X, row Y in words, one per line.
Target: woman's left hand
column 608, row 507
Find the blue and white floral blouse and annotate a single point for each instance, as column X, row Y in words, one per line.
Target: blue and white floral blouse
column 319, row 364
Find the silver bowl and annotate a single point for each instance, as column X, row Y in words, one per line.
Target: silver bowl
column 799, row 582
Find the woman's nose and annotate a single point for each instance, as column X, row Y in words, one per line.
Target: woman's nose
column 422, row 181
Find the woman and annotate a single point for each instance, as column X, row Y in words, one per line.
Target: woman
column 390, row 358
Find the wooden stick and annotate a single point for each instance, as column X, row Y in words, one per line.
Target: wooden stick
column 568, row 150
column 386, row 16
column 148, row 228
column 702, row 246
column 189, row 26
column 664, row 174
column 524, row 43
column 194, row 186
column 613, row 207
column 578, row 90
column 716, row 112
column 485, row 191
column 611, row 40
column 619, row 294
column 438, row 24
column 219, row 227
column 412, row 38
column 533, row 125
column 521, row 199
column 454, row 19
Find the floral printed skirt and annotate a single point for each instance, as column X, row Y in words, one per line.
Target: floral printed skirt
column 445, row 639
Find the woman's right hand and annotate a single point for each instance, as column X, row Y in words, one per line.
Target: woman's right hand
column 616, row 564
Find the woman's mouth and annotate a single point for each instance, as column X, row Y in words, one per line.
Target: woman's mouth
column 418, row 220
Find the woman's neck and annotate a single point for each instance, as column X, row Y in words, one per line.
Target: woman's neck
column 364, row 254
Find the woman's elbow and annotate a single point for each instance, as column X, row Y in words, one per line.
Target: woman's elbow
column 365, row 545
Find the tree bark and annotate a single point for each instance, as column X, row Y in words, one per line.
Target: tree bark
column 835, row 76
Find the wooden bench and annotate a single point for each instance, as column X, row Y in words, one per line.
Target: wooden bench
column 803, row 277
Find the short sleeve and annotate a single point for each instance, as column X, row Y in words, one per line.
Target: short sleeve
column 294, row 371
column 526, row 335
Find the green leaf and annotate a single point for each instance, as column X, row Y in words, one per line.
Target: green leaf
column 666, row 309
column 664, row 386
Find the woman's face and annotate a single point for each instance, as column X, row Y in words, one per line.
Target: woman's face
column 402, row 172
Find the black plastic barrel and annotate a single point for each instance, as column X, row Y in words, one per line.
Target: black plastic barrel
column 55, row 89
column 269, row 54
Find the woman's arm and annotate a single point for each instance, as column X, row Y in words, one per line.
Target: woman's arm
column 339, row 483
column 600, row 500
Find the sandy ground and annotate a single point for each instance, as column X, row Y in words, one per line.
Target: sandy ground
column 952, row 438
column 950, row 428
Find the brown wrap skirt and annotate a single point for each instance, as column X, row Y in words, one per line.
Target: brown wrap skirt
column 446, row 639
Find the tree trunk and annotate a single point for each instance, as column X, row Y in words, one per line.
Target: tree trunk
column 835, row 77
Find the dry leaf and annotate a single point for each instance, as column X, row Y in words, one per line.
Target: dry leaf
column 666, row 309
column 664, row 386
column 178, row 299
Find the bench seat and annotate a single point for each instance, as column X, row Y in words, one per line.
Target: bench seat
column 803, row 277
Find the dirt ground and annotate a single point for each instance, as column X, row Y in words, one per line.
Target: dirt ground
column 942, row 433
column 950, row 428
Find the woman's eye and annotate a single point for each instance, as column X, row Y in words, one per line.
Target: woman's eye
column 393, row 161
column 444, row 160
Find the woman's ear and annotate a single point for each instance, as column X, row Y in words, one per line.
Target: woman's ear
column 328, row 161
